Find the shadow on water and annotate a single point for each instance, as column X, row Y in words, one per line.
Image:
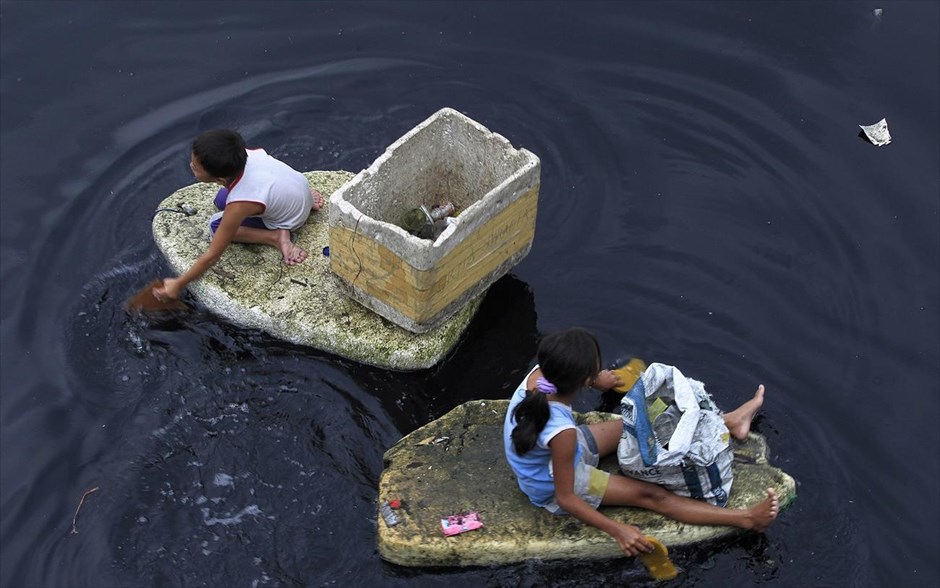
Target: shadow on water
column 488, row 361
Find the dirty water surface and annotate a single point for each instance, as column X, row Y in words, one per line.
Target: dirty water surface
column 706, row 202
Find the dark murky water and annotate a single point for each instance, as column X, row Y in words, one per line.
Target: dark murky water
column 705, row 202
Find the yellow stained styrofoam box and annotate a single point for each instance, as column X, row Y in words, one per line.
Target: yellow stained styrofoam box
column 418, row 283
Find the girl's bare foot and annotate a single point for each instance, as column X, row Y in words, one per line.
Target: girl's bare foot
column 739, row 420
column 292, row 253
column 318, row 200
column 765, row 513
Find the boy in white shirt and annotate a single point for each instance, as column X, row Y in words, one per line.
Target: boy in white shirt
column 261, row 201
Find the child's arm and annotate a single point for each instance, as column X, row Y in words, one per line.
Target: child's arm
column 235, row 213
column 606, row 380
column 563, row 445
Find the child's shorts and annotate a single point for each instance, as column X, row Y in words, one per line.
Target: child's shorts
column 220, row 200
column 590, row 483
column 254, row 222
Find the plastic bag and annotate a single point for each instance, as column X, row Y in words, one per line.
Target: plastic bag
column 674, row 436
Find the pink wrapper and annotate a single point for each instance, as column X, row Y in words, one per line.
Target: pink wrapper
column 461, row 523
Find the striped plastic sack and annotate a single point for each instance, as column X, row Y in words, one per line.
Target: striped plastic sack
column 674, row 436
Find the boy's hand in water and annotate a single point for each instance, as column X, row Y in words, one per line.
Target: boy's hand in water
column 631, row 540
column 169, row 291
column 606, row 380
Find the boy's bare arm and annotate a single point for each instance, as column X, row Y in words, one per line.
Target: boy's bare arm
column 235, row 213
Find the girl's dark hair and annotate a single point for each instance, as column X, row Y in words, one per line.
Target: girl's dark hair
column 567, row 359
column 221, row 152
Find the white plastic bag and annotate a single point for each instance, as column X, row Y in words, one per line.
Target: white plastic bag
column 674, row 436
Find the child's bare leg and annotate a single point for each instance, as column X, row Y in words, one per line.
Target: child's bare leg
column 279, row 238
column 623, row 491
column 739, row 420
column 607, row 435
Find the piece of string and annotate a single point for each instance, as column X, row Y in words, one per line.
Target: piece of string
column 352, row 246
column 80, row 503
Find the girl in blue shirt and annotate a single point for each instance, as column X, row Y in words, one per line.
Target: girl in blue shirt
column 555, row 460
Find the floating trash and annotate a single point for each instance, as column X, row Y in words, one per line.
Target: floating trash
column 877, row 133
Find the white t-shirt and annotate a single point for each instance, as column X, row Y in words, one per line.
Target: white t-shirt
column 283, row 191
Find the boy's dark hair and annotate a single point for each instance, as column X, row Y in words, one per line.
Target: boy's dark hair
column 567, row 359
column 221, row 152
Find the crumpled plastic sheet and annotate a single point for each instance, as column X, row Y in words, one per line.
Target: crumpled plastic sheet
column 877, row 133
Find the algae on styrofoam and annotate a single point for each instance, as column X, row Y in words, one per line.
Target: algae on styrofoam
column 457, row 464
column 303, row 304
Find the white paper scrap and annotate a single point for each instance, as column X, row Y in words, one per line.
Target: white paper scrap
column 877, row 133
